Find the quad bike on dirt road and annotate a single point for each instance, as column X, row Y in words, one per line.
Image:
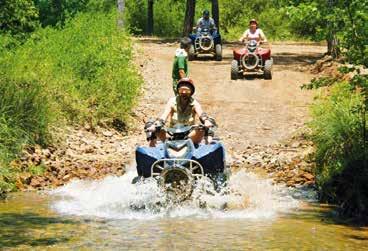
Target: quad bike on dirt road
column 251, row 59
column 178, row 165
column 205, row 42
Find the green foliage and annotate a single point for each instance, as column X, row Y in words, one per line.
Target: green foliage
column 83, row 69
column 168, row 17
column 79, row 74
column 53, row 12
column 339, row 133
column 271, row 15
column 18, row 17
column 37, row 170
column 319, row 82
column 344, row 21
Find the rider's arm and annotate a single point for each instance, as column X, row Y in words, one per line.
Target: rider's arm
column 262, row 35
column 198, row 110
column 168, row 109
column 182, row 73
column 199, row 23
column 244, row 36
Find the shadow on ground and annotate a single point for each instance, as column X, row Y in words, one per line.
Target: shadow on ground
column 286, row 59
column 16, row 229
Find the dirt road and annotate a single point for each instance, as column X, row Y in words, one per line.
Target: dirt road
column 254, row 116
column 248, row 111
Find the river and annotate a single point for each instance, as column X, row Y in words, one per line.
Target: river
column 112, row 214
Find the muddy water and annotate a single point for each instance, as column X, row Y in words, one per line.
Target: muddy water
column 112, row 214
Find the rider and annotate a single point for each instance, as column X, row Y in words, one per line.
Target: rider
column 182, row 109
column 180, row 65
column 253, row 33
column 206, row 22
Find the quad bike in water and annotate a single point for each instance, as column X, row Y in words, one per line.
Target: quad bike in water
column 251, row 59
column 205, row 42
column 178, row 165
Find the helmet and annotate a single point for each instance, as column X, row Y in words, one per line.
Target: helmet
column 206, row 13
column 186, row 82
column 253, row 21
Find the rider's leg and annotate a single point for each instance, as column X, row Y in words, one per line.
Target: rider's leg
column 161, row 135
column 197, row 136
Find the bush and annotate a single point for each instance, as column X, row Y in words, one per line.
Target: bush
column 79, row 74
column 341, row 156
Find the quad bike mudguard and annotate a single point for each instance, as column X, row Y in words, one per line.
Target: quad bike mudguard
column 211, row 157
column 263, row 52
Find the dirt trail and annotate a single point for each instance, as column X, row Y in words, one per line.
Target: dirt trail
column 254, row 117
column 248, row 111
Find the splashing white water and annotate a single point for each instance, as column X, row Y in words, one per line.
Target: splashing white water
column 247, row 196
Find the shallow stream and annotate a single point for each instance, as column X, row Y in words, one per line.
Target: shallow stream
column 112, row 214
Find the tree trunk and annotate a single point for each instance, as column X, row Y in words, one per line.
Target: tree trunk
column 121, row 6
column 189, row 17
column 150, row 18
column 215, row 13
column 332, row 46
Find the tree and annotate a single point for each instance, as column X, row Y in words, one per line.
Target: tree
column 215, row 13
column 121, row 7
column 150, row 17
column 189, row 17
column 18, row 17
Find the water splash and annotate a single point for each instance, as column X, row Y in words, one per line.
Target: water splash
column 246, row 196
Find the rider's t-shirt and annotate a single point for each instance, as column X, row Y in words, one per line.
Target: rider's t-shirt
column 256, row 35
column 180, row 115
column 206, row 23
column 180, row 62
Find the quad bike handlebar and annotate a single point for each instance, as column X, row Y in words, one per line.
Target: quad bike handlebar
column 178, row 132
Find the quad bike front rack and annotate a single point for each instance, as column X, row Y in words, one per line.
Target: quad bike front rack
column 194, row 167
column 177, row 176
column 200, row 44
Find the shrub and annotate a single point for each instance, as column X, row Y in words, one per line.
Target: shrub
column 79, row 74
column 341, row 156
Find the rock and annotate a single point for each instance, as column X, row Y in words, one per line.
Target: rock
column 308, row 176
column 107, row 133
column 46, row 153
column 66, row 177
column 290, row 183
column 36, row 182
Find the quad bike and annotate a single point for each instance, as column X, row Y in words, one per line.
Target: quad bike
column 205, row 42
column 251, row 58
column 178, row 165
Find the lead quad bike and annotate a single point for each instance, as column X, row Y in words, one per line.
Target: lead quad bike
column 251, row 59
column 205, row 42
column 178, row 165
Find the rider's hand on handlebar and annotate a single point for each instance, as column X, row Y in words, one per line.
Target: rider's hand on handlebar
column 208, row 123
column 152, row 128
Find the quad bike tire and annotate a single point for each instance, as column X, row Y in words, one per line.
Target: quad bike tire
column 191, row 53
column 267, row 73
column 234, row 69
column 218, row 51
